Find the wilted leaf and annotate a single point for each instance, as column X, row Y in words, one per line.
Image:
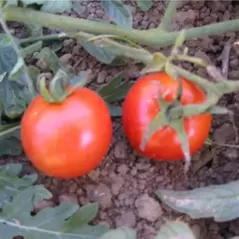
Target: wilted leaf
column 173, row 230
column 101, row 54
column 10, row 182
column 217, row 201
column 120, row 233
column 49, row 223
column 115, row 90
column 144, row 5
column 118, row 12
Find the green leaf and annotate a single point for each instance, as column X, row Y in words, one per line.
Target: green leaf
column 118, row 12
column 83, row 216
column 28, row 2
column 80, row 79
column 120, row 233
column 101, row 54
column 34, row 30
column 17, row 67
column 56, row 6
column 14, row 90
column 49, row 223
column 12, row 2
column 173, row 230
column 115, row 111
column 11, row 183
column 144, row 5
column 217, row 201
column 115, row 90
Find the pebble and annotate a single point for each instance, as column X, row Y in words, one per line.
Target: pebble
column 148, row 208
column 126, row 219
column 101, row 194
column 68, row 198
column 120, row 150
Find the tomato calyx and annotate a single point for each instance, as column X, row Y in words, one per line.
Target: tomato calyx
column 59, row 87
column 170, row 115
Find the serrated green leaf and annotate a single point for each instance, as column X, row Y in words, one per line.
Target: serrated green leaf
column 49, row 223
column 173, row 230
column 144, row 5
column 14, row 91
column 11, row 183
column 101, row 54
column 115, row 90
column 120, row 233
column 10, row 146
column 83, row 216
column 118, row 12
column 17, row 67
column 56, row 6
column 217, row 201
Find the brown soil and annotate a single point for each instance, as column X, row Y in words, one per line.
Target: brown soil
column 125, row 182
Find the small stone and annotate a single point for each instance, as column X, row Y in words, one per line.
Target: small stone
column 73, row 187
column 69, row 198
column 79, row 191
column 94, row 175
column 66, row 58
column 148, row 208
column 117, row 185
column 126, row 219
column 99, row 13
column 123, row 169
column 101, row 77
column 234, row 63
column 101, row 194
column 76, row 50
column 120, row 150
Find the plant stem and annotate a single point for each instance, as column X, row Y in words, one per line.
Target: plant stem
column 118, row 49
column 152, row 37
column 43, row 38
column 168, row 15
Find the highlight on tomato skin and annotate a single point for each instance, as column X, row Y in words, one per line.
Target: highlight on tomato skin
column 141, row 106
column 68, row 139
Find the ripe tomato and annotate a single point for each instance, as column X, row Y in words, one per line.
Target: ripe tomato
column 67, row 139
column 141, row 106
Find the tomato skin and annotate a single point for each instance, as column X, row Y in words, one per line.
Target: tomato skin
column 141, row 106
column 67, row 139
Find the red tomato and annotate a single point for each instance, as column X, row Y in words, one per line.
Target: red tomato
column 67, row 139
column 141, row 106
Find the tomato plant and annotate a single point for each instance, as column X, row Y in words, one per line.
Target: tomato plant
column 141, row 106
column 67, row 139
